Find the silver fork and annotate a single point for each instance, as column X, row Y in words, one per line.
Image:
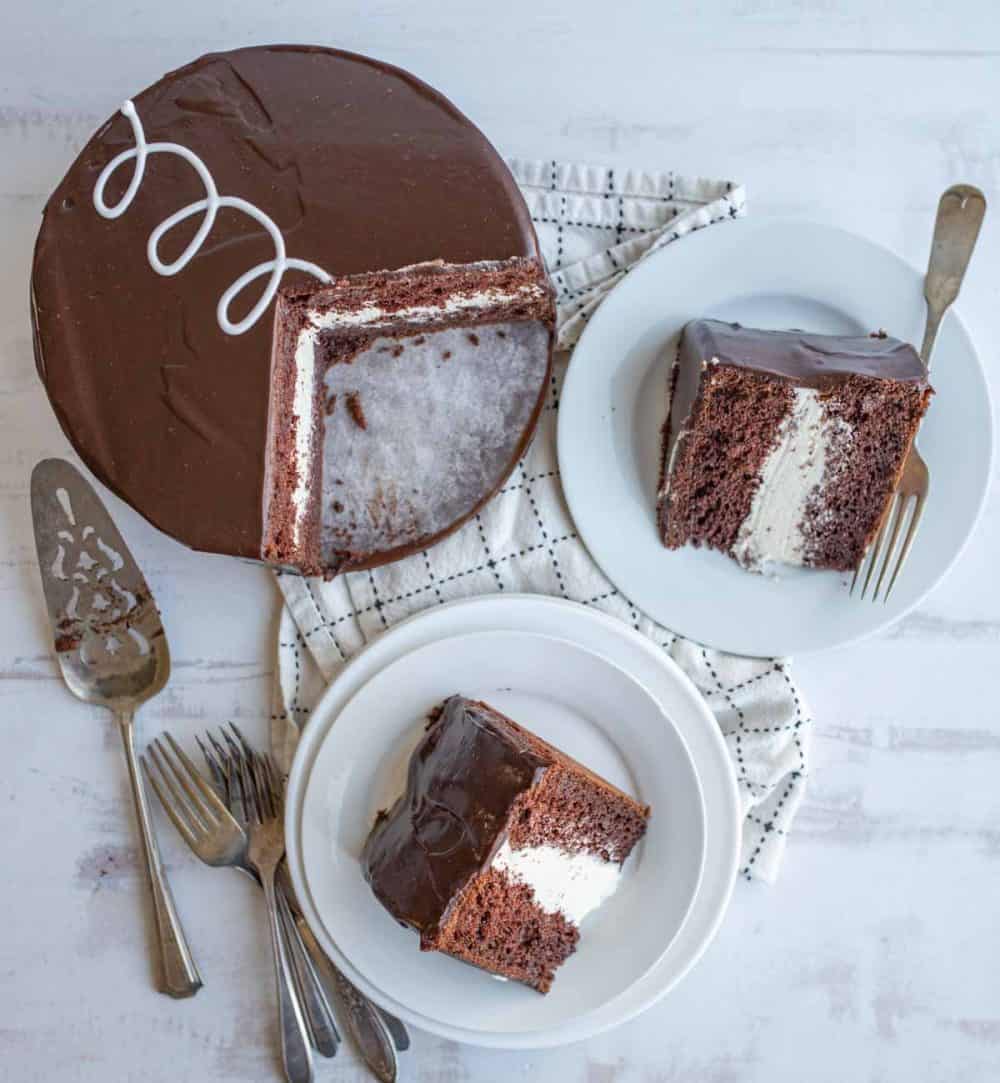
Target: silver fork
column 222, row 765
column 194, row 808
column 213, row 833
column 376, row 1034
column 265, row 808
column 960, row 214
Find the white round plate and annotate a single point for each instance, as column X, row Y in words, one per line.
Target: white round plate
column 584, row 705
column 772, row 275
column 679, row 701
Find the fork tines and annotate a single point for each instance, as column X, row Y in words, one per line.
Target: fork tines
column 214, row 759
column 246, row 777
column 885, row 554
column 190, row 802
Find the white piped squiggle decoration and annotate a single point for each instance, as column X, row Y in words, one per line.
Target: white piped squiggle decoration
column 209, row 206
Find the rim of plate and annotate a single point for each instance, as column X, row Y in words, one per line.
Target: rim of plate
column 649, row 269
column 664, row 721
column 322, row 718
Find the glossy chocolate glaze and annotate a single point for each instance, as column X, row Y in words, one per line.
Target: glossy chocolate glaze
column 442, row 832
column 797, row 355
column 804, row 359
column 362, row 167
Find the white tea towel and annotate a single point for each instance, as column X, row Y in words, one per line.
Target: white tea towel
column 594, row 223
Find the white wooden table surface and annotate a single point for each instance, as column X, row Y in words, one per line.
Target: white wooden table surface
column 876, row 957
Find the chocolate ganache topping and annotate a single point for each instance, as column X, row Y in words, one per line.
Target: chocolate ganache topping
column 440, row 833
column 805, row 358
column 359, row 165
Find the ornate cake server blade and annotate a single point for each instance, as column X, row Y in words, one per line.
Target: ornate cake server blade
column 112, row 651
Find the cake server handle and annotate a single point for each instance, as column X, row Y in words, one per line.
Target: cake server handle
column 179, row 975
column 960, row 214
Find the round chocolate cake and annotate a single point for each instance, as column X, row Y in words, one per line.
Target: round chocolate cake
column 160, row 266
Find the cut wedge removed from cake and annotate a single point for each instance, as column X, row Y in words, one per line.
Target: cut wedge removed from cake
column 782, row 447
column 400, row 400
column 500, row 845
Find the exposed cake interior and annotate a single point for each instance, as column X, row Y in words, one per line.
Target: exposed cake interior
column 783, row 447
column 500, row 846
column 398, row 400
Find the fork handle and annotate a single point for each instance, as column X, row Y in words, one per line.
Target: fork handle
column 315, row 1007
column 375, row 1031
column 368, row 1029
column 179, row 975
column 296, row 1053
column 959, row 217
column 377, row 1035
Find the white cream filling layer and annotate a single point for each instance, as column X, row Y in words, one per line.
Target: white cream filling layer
column 372, row 314
column 569, row 884
column 302, row 411
column 790, row 476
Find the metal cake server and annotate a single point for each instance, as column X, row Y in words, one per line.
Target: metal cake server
column 112, row 651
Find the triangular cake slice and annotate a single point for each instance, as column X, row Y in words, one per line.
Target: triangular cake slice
column 400, row 402
column 500, row 845
column 783, row 447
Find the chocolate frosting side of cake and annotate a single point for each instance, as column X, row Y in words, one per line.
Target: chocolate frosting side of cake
column 359, row 164
column 808, row 359
column 440, row 833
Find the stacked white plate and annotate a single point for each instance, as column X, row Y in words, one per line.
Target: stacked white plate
column 601, row 692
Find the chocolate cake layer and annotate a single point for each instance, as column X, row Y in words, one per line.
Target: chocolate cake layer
column 784, row 447
column 359, row 165
column 501, row 928
column 500, row 845
column 402, row 399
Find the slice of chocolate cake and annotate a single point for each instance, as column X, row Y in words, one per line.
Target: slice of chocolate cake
column 500, row 846
column 400, row 400
column 784, row 447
